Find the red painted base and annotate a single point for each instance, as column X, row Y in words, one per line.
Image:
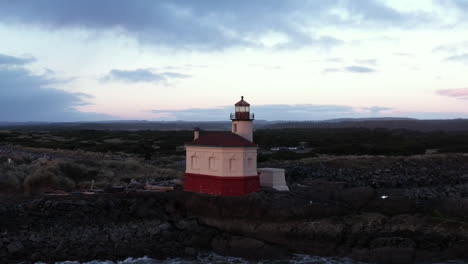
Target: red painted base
column 221, row 185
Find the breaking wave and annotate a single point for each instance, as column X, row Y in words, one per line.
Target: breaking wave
column 213, row 258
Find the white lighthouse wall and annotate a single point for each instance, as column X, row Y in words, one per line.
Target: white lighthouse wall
column 221, row 161
column 243, row 129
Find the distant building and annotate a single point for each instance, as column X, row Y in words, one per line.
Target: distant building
column 224, row 163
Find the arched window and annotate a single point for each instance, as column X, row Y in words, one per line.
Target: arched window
column 250, row 163
column 212, row 163
column 232, row 164
column 194, row 162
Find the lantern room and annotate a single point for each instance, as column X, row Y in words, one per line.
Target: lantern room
column 242, row 111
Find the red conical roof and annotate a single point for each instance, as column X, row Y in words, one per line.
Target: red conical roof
column 242, row 102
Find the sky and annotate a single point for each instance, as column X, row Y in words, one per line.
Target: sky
column 88, row 60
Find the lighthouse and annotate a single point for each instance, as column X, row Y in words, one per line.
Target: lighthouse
column 224, row 162
column 242, row 120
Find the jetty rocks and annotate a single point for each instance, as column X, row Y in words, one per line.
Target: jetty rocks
column 325, row 220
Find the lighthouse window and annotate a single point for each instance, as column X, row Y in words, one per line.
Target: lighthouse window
column 237, row 108
column 212, row 162
column 194, row 162
column 250, row 163
column 232, row 164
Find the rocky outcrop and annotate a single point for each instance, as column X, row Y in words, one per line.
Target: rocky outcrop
column 353, row 222
column 331, row 221
column 105, row 227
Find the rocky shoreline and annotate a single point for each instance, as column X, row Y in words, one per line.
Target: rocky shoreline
column 325, row 219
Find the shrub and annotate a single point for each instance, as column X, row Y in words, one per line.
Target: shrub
column 74, row 171
column 47, row 175
column 12, row 177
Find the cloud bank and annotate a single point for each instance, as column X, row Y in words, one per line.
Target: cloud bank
column 213, row 24
column 12, row 60
column 351, row 69
column 141, row 75
column 463, row 58
column 25, row 96
column 461, row 93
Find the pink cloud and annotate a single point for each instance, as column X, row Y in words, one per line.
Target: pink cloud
column 461, row 93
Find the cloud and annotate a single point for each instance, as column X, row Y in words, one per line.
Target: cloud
column 331, row 70
column 377, row 11
column 266, row 67
column 377, row 109
column 461, row 5
column 12, row 60
column 403, row 54
column 359, row 69
column 352, row 69
column 28, row 97
column 273, row 112
column 372, row 62
column 461, row 93
column 175, row 75
column 463, row 58
column 141, row 75
column 335, row 60
column 212, row 24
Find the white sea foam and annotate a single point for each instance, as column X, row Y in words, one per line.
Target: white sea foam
column 213, row 258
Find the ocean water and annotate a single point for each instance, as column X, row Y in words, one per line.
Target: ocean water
column 212, row 258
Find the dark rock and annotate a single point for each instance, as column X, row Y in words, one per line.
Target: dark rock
column 390, row 255
column 337, row 220
column 187, row 225
column 248, row 248
column 394, row 242
column 36, row 256
column 189, row 251
column 356, row 197
column 391, row 205
column 15, row 247
column 384, row 255
column 34, row 238
column 164, row 226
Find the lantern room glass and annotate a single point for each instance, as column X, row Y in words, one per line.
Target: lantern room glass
column 242, row 109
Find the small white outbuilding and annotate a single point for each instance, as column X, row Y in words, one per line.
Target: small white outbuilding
column 273, row 178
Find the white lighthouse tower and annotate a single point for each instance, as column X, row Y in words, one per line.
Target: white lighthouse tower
column 224, row 162
column 242, row 120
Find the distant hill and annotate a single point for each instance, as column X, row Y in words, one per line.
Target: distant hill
column 388, row 123
column 371, row 123
column 117, row 125
column 365, row 119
